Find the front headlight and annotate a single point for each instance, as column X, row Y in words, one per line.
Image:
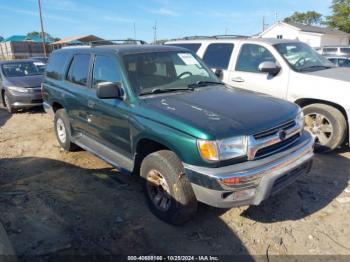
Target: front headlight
column 18, row 89
column 223, row 149
column 300, row 119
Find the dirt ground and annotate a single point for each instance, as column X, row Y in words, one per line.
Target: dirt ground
column 54, row 202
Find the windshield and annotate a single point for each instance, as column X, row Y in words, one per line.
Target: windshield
column 164, row 71
column 302, row 57
column 40, row 65
column 19, row 69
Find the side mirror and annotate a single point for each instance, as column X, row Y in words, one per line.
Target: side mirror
column 269, row 67
column 219, row 73
column 108, row 90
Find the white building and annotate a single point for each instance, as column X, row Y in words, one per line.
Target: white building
column 315, row 36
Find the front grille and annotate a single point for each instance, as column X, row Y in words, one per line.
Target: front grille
column 274, row 130
column 285, row 144
column 288, row 178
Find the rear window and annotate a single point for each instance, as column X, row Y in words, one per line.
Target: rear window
column 56, row 64
column 192, row 47
column 218, row 55
column 78, row 70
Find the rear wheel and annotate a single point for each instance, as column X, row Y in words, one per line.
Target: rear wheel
column 168, row 191
column 63, row 130
column 328, row 125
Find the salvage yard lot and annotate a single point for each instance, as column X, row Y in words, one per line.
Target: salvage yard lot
column 55, row 202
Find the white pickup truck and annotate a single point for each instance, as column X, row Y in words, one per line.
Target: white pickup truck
column 287, row 69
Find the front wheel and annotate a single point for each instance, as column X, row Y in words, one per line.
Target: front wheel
column 7, row 104
column 328, row 125
column 168, row 191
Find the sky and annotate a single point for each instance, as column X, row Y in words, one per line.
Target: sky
column 116, row 19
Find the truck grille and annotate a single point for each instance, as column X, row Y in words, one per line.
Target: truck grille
column 270, row 141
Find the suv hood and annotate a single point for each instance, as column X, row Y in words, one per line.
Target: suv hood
column 24, row 81
column 220, row 112
column 336, row 73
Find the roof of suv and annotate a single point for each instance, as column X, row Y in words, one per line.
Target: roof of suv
column 271, row 41
column 128, row 49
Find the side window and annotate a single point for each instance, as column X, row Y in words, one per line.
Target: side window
column 55, row 66
column 192, row 47
column 106, row 69
column 330, row 51
column 251, row 56
column 78, row 70
column 218, row 55
column 344, row 62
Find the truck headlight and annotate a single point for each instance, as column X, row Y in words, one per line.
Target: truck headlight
column 300, row 119
column 223, row 149
column 18, row 89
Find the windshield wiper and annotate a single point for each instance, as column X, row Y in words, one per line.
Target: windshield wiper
column 205, row 83
column 315, row 66
column 164, row 90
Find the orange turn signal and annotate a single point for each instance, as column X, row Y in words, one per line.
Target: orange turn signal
column 208, row 150
column 231, row 181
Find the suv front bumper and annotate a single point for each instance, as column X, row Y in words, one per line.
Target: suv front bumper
column 266, row 176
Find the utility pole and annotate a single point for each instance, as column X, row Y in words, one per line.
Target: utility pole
column 42, row 29
column 276, row 17
column 134, row 30
column 264, row 25
column 155, row 32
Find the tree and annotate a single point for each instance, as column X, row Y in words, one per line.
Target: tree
column 1, row 38
column 39, row 34
column 307, row 18
column 340, row 17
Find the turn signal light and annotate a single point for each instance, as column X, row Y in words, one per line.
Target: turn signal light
column 232, row 180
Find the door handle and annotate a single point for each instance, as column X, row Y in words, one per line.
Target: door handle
column 237, row 79
column 91, row 104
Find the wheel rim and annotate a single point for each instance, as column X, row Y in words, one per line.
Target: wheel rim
column 320, row 126
column 158, row 190
column 61, row 130
column 7, row 102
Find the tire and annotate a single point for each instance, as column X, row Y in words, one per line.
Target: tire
column 328, row 124
column 7, row 104
column 63, row 130
column 180, row 203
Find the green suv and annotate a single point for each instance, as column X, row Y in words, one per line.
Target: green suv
column 160, row 112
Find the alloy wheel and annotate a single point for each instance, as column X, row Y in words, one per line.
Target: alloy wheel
column 320, row 126
column 158, row 190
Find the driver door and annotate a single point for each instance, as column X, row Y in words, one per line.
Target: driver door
column 246, row 72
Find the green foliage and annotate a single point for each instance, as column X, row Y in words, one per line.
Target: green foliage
column 307, row 18
column 340, row 17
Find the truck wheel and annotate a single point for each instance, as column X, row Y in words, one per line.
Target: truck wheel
column 63, row 131
column 328, row 124
column 168, row 191
column 7, row 104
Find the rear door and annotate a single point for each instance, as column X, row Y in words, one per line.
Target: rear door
column 218, row 56
column 76, row 84
column 246, row 74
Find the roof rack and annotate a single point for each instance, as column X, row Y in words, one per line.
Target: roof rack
column 229, row 36
column 117, row 42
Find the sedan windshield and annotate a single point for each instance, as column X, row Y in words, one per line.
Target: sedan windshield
column 160, row 72
column 20, row 69
column 302, row 58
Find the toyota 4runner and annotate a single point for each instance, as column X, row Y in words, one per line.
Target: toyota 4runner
column 160, row 112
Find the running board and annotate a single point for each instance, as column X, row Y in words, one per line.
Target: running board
column 114, row 158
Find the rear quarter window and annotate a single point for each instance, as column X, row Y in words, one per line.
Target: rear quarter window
column 218, row 55
column 56, row 65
